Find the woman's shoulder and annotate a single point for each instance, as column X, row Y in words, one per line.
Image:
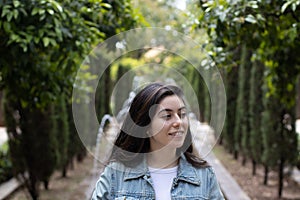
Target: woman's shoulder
column 207, row 168
column 115, row 166
column 207, row 171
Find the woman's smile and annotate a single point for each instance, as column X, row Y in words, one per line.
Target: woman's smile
column 177, row 134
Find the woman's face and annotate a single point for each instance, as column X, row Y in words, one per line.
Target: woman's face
column 169, row 125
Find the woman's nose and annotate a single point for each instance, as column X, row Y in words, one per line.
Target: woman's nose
column 177, row 121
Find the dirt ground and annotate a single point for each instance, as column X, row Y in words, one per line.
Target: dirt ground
column 253, row 185
column 75, row 186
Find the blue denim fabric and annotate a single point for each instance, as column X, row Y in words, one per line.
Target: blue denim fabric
column 119, row 182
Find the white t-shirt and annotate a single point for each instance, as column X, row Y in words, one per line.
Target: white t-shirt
column 162, row 182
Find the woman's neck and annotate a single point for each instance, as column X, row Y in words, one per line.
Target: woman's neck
column 162, row 159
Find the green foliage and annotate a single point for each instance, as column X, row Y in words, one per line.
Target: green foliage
column 42, row 45
column 60, row 38
column 270, row 30
column 201, row 91
column 76, row 148
column 6, row 171
column 11, row 117
column 231, row 93
column 166, row 14
column 241, row 131
column 119, row 17
column 255, row 112
column 270, row 154
column 124, row 87
column 61, row 132
column 279, row 137
column 31, row 143
column 290, row 3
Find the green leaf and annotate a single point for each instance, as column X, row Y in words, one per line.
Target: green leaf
column 42, row 17
column 5, row 11
column 46, row 41
column 41, row 33
column 24, row 47
column 260, row 17
column 34, row 11
column 41, row 11
column 14, row 37
column 9, row 16
column 16, row 14
column 36, row 40
column 50, row 11
column 57, row 6
column 29, row 38
column 251, row 19
column 16, row 3
column 253, row 4
column 30, row 28
column 292, row 3
column 106, row 5
column 24, row 103
column 53, row 42
column 294, row 7
column 290, row 87
column 58, row 33
column 22, row 10
column 7, row 27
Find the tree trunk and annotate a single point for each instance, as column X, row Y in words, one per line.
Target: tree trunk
column 280, row 175
column 253, row 167
column 244, row 160
column 80, row 156
column 298, row 99
column 64, row 171
column 221, row 140
column 201, row 116
column 236, row 154
column 1, row 111
column 266, row 175
column 33, row 187
column 46, row 184
column 107, row 90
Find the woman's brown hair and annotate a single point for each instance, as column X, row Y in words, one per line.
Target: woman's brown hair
column 133, row 141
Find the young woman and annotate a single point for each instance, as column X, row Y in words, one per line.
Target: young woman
column 153, row 155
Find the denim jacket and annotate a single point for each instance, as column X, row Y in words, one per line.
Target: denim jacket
column 120, row 182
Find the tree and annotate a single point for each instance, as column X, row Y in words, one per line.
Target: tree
column 42, row 44
column 62, row 133
column 241, row 131
column 268, row 29
column 255, row 113
column 231, row 93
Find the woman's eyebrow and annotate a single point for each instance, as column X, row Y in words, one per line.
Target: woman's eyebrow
column 166, row 110
column 170, row 110
column 182, row 108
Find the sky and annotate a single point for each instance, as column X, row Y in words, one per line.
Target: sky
column 180, row 4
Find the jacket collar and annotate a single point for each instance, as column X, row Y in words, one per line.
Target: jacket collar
column 186, row 172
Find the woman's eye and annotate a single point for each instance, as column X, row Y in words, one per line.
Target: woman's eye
column 182, row 115
column 168, row 116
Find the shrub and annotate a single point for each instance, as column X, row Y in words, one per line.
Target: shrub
column 6, row 171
